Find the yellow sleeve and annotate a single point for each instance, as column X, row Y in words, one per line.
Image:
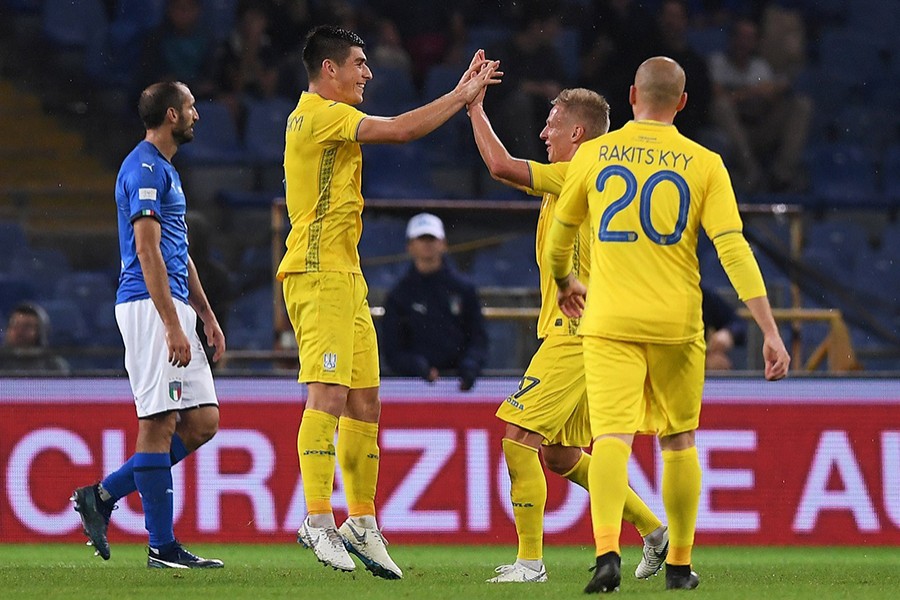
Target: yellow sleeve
column 547, row 179
column 570, row 211
column 739, row 263
column 337, row 122
column 720, row 211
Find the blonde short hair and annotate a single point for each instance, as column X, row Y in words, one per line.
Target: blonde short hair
column 588, row 108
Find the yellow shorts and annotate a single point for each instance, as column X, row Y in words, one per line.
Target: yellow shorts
column 551, row 399
column 636, row 387
column 334, row 329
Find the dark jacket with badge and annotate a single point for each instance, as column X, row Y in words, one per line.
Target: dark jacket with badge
column 434, row 320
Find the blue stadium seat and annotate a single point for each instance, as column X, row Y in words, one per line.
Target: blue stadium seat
column 843, row 175
column 251, row 320
column 216, row 138
column 88, row 290
column 891, row 171
column 451, row 143
column 708, row 40
column 384, row 276
column 12, row 237
column 13, row 290
column 70, row 24
column 512, row 264
column 384, row 236
column 389, row 92
column 568, row 46
column 850, row 55
column 220, row 16
column 113, row 55
column 146, row 14
column 880, row 278
column 846, row 242
column 42, row 267
column 265, row 128
column 503, row 339
column 396, row 172
column 67, row 325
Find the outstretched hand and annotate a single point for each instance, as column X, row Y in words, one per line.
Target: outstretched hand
column 480, row 74
column 571, row 297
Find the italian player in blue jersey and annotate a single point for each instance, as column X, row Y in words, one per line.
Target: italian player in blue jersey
column 157, row 304
column 647, row 190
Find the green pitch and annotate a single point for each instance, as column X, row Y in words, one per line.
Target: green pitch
column 456, row 572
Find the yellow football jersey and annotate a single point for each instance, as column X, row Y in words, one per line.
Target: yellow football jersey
column 322, row 168
column 548, row 180
column 647, row 190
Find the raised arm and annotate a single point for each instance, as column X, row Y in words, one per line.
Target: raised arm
column 502, row 166
column 421, row 121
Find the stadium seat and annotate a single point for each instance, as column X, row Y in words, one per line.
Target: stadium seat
column 503, row 342
column 13, row 290
column 251, row 320
column 568, row 46
column 891, row 171
column 389, row 92
column 395, row 172
column 851, row 55
column 511, row 264
column 265, row 128
column 71, row 24
column 708, row 40
column 12, row 237
column 41, row 267
column 146, row 14
column 219, row 16
column 846, row 242
column 88, row 290
column 67, row 325
column 112, row 55
column 843, row 175
column 384, row 236
column 215, row 137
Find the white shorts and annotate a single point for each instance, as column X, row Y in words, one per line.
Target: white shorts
column 159, row 387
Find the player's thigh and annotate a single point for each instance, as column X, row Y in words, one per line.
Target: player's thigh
column 156, row 385
column 319, row 307
column 615, row 372
column 676, row 376
column 366, row 367
column 550, row 393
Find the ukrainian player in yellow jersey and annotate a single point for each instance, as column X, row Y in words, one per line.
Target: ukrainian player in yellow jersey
column 647, row 190
column 325, row 293
column 548, row 413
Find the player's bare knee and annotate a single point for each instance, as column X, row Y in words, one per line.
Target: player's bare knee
column 561, row 459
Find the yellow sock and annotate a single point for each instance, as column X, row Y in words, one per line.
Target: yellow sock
column 608, row 480
column 636, row 510
column 579, row 473
column 357, row 451
column 681, row 497
column 528, row 492
column 639, row 514
column 315, row 446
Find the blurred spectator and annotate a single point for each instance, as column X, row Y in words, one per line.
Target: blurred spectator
column 289, row 20
column 181, row 49
column 765, row 122
column 616, row 39
column 724, row 330
column 388, row 50
column 694, row 121
column 247, row 65
column 533, row 76
column 432, row 320
column 25, row 342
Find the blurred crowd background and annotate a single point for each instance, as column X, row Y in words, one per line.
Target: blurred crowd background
column 799, row 96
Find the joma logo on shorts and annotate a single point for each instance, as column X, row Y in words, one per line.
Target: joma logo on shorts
column 523, row 504
column 515, row 403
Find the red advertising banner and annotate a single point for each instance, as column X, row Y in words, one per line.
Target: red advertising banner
column 796, row 462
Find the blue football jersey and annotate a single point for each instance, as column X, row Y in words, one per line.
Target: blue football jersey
column 149, row 186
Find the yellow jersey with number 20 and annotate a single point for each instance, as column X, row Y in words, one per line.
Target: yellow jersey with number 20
column 647, row 190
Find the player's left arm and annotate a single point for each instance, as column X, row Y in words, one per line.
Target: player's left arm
column 722, row 223
column 200, row 303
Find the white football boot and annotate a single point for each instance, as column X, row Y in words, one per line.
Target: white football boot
column 327, row 545
column 369, row 545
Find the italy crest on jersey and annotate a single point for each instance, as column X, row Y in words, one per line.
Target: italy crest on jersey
column 175, row 390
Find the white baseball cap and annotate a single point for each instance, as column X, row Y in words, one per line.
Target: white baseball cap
column 425, row 224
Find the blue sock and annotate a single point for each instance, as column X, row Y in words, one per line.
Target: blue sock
column 153, row 476
column 120, row 483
